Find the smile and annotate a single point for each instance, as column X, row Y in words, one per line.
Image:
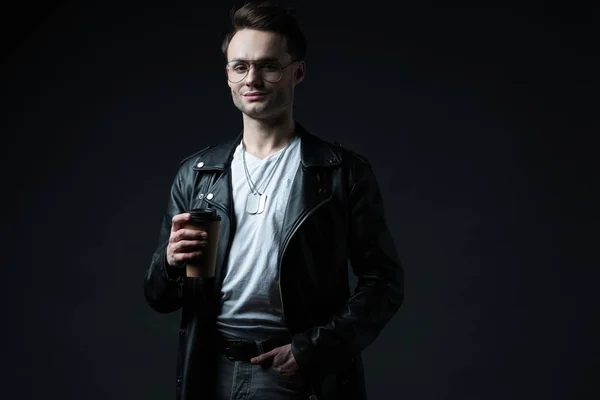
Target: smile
column 255, row 95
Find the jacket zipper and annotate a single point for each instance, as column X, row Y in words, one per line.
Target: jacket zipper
column 289, row 238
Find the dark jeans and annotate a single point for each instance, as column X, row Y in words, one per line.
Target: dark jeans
column 240, row 380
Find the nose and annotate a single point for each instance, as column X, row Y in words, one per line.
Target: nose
column 253, row 78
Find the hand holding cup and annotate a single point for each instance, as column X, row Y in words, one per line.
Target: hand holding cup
column 193, row 242
column 186, row 243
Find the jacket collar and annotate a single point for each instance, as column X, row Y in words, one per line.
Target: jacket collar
column 314, row 153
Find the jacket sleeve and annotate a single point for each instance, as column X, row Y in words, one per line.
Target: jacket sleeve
column 163, row 284
column 380, row 288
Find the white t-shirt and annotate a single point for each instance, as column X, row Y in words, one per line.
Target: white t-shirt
column 250, row 297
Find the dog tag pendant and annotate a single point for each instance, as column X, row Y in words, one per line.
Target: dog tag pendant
column 255, row 204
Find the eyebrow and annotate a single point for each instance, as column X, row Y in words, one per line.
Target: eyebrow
column 260, row 59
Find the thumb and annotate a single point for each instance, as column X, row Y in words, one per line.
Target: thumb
column 179, row 220
column 263, row 357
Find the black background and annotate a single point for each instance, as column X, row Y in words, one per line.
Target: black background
column 477, row 120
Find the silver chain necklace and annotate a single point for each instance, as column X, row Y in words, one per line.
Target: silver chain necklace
column 257, row 199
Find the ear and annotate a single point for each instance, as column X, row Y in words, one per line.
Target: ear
column 299, row 72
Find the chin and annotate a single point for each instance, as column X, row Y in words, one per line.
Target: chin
column 260, row 116
column 261, row 111
column 257, row 112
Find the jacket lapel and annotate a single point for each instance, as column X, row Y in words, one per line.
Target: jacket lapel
column 312, row 183
column 218, row 159
column 217, row 192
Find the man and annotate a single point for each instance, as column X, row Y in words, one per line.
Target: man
column 278, row 320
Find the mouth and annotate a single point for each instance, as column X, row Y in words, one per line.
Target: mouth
column 255, row 95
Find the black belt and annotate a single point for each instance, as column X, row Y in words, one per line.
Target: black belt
column 244, row 350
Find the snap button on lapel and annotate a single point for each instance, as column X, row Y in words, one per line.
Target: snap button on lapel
column 201, row 196
column 209, row 196
column 200, row 164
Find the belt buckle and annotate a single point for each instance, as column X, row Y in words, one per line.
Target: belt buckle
column 233, row 343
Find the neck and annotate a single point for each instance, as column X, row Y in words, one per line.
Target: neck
column 264, row 137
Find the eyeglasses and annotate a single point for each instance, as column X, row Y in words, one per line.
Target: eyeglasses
column 270, row 70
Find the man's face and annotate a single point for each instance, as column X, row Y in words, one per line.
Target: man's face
column 270, row 99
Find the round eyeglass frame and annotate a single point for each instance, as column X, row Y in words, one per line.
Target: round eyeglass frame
column 251, row 63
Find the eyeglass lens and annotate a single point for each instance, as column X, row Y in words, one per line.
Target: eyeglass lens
column 269, row 71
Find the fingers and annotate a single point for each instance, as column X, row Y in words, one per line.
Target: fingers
column 287, row 367
column 179, row 220
column 176, row 259
column 279, row 362
column 187, row 234
column 183, row 251
column 264, row 357
column 184, row 244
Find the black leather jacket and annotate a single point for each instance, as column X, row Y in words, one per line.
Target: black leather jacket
column 334, row 215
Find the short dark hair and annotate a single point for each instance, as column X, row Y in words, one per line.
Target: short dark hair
column 268, row 16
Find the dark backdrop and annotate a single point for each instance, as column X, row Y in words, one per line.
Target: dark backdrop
column 478, row 122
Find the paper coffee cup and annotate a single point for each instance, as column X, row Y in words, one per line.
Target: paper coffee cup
column 205, row 219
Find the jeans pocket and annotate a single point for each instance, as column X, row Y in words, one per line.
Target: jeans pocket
column 297, row 380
